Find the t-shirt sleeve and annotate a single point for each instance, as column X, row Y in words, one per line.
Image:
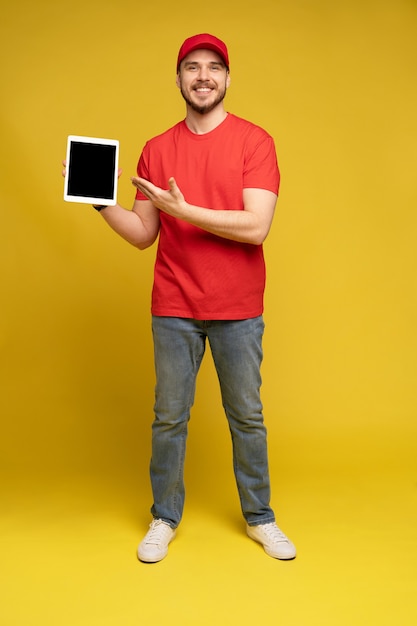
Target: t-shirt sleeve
column 143, row 172
column 261, row 166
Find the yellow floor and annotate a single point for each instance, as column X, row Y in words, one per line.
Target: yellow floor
column 69, row 555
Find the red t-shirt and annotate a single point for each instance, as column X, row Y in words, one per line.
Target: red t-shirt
column 199, row 275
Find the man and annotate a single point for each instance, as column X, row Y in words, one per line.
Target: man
column 208, row 187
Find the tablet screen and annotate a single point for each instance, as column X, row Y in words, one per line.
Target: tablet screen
column 92, row 166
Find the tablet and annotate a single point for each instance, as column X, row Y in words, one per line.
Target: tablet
column 92, row 170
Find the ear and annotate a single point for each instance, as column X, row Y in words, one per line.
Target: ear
column 228, row 80
column 177, row 80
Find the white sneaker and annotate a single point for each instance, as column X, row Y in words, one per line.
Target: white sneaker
column 154, row 546
column 275, row 543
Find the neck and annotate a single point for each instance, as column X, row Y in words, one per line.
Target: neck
column 201, row 123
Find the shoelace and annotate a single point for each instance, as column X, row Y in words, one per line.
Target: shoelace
column 274, row 533
column 158, row 530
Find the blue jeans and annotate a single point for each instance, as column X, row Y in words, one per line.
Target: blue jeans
column 236, row 347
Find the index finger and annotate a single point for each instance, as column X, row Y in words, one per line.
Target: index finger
column 143, row 185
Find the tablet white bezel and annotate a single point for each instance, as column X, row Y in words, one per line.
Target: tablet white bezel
column 91, row 199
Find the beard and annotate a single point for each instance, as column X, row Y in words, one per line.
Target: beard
column 204, row 108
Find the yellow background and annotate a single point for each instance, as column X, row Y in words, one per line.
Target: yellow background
column 335, row 84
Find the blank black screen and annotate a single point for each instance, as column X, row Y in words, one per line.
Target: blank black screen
column 91, row 172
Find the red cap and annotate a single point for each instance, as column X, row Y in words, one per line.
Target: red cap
column 203, row 42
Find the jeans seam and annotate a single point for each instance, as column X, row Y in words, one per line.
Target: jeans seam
column 180, row 475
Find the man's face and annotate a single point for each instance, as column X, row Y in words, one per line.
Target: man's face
column 203, row 80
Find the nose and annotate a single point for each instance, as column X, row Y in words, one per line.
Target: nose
column 203, row 72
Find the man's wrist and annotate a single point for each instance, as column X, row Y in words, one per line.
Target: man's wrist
column 99, row 207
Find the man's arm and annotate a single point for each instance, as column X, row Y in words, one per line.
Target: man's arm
column 248, row 226
column 139, row 227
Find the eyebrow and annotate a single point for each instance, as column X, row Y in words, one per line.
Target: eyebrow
column 220, row 63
